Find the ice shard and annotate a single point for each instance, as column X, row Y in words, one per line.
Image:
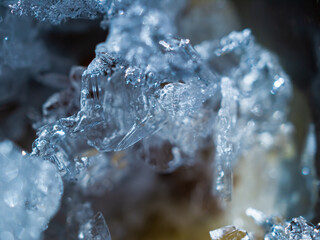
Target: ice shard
column 224, row 130
column 95, row 229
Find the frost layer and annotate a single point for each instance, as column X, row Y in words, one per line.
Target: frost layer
column 30, row 193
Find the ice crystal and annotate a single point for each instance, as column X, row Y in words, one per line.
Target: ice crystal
column 138, row 84
column 30, row 193
column 225, row 128
column 57, row 145
column 94, row 229
column 80, row 220
column 146, row 82
column 255, row 91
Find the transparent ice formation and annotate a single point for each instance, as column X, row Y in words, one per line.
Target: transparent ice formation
column 148, row 94
column 93, row 172
column 94, row 229
column 61, row 148
column 225, row 128
column 80, row 221
column 255, row 92
column 147, row 84
column 142, row 80
column 30, row 193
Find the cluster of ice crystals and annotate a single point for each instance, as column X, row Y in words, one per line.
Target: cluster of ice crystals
column 142, row 80
column 298, row 228
column 148, row 88
column 125, row 111
column 278, row 229
column 30, row 193
column 57, row 145
column 61, row 10
column 255, row 92
column 57, row 11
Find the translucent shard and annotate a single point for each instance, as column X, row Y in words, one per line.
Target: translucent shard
column 225, row 127
column 229, row 233
column 95, row 229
